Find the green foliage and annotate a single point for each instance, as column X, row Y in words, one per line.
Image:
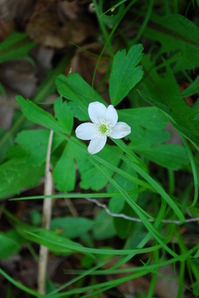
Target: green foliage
column 64, row 173
column 125, row 73
column 134, row 200
column 35, row 143
column 38, row 115
column 10, row 244
column 71, row 227
column 103, row 227
column 64, row 115
column 148, row 137
column 90, row 177
column 116, row 204
column 177, row 35
column 74, row 88
column 164, row 93
column 16, row 174
column 111, row 11
column 17, row 45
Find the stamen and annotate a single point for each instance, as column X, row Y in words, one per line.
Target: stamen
column 103, row 128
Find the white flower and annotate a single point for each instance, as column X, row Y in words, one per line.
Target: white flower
column 104, row 125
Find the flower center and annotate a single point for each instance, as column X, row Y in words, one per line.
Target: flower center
column 103, row 128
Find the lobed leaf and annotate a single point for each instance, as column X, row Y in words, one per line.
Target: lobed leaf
column 177, row 34
column 164, row 93
column 64, row 115
column 72, row 227
column 64, row 173
column 38, row 115
column 16, row 174
column 74, row 88
column 125, row 73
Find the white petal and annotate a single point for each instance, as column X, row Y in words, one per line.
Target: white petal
column 97, row 144
column 120, row 130
column 85, row 131
column 96, row 111
column 111, row 115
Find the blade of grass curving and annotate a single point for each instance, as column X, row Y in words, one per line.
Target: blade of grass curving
column 159, row 189
column 19, row 285
column 82, row 275
column 101, row 286
column 145, row 240
column 70, row 245
column 137, row 272
column 115, row 169
column 139, row 211
column 181, row 279
column 110, row 35
column 103, row 28
column 154, row 276
column 140, row 271
column 73, row 195
column 188, row 253
column 194, row 171
column 144, row 23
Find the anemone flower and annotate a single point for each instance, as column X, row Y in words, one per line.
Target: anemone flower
column 104, row 124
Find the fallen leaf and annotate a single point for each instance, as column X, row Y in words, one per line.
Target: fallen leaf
column 48, row 28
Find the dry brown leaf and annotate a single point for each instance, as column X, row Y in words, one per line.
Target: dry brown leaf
column 7, row 105
column 167, row 287
column 70, row 9
column 48, row 28
column 20, row 76
column 139, row 285
column 16, row 9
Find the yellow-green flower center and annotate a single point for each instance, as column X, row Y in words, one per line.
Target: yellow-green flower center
column 103, row 128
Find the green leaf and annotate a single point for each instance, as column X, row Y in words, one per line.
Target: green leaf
column 149, row 118
column 73, row 87
column 64, row 115
column 170, row 156
column 192, row 89
column 5, row 145
column 55, row 243
column 10, row 244
column 16, row 174
column 71, row 227
column 109, row 17
column 103, row 227
column 164, row 93
column 38, row 115
column 90, row 176
column 16, row 45
column 148, row 137
column 176, row 34
column 116, row 204
column 64, row 172
column 122, row 225
column 125, row 73
column 35, row 143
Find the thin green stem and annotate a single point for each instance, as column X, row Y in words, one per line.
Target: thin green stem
column 110, row 36
column 144, row 23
